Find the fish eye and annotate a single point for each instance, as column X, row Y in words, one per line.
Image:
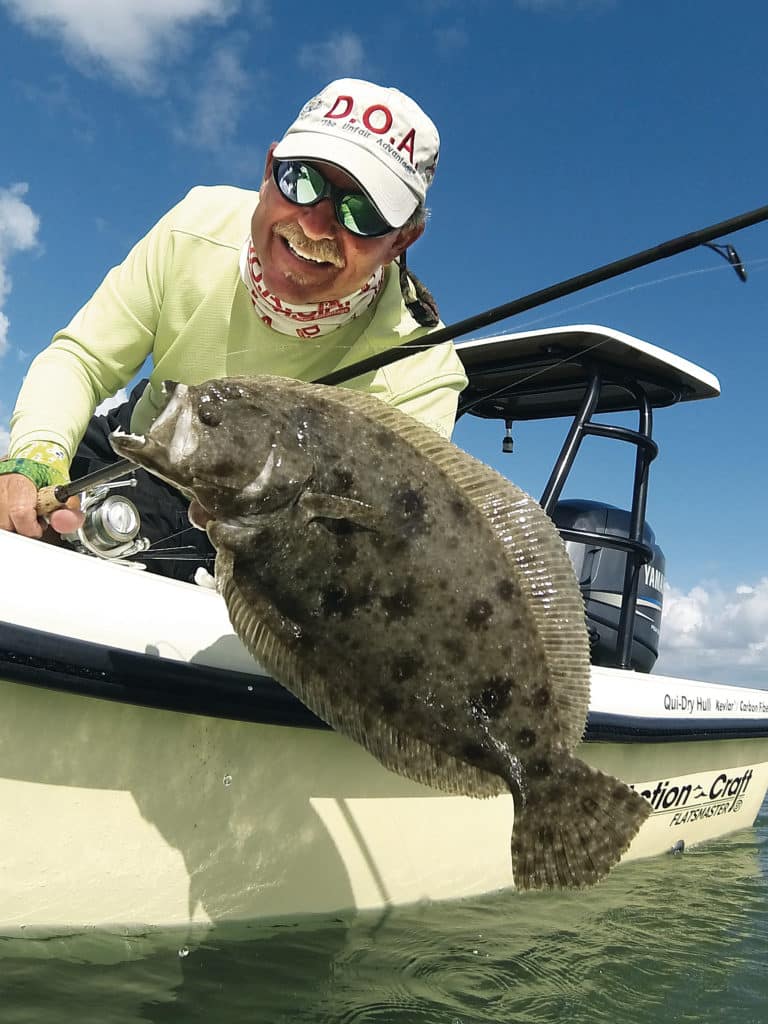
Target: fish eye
column 210, row 411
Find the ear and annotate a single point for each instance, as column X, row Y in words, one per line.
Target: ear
column 268, row 164
column 403, row 239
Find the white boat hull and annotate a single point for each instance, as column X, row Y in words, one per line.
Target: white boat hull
column 123, row 817
column 126, row 817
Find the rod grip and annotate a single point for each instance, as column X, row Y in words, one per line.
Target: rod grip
column 48, row 501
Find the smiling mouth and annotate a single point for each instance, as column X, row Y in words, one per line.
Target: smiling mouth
column 315, row 254
column 306, row 258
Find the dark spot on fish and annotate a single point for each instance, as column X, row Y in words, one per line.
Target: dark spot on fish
column 402, row 603
column 507, row 590
column 455, row 646
column 459, row 508
column 409, row 506
column 411, row 501
column 526, row 738
column 338, row 600
column 384, row 439
column 390, row 702
column 342, row 480
column 541, row 768
column 473, row 752
column 495, row 697
column 406, row 666
column 542, row 697
column 479, row 613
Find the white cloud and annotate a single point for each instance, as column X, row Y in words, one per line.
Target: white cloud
column 339, row 56
column 711, row 633
column 19, row 225
column 4, row 327
column 129, row 38
column 212, row 119
column 5, row 439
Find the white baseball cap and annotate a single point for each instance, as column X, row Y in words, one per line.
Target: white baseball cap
column 378, row 135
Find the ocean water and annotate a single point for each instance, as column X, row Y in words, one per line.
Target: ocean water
column 674, row 939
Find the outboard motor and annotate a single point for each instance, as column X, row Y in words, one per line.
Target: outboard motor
column 600, row 572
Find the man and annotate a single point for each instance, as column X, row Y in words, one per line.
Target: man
column 318, row 284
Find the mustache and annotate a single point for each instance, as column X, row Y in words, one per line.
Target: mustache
column 323, row 249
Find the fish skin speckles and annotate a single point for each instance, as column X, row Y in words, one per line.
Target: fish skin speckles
column 413, row 598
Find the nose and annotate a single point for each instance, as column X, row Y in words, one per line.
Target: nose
column 318, row 221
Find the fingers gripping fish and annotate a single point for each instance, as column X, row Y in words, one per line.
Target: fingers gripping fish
column 412, row 597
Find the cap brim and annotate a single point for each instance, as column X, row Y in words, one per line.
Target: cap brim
column 392, row 197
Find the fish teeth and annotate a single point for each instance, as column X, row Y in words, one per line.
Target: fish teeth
column 135, row 438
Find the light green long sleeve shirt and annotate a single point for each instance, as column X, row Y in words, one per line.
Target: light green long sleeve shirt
column 179, row 297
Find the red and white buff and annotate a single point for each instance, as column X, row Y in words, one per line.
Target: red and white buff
column 300, row 320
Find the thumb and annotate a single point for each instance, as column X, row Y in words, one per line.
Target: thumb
column 68, row 519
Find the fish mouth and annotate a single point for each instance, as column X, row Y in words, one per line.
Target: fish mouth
column 169, row 440
column 127, row 445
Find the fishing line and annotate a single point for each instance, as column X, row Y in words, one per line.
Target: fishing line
column 325, row 346
column 637, row 287
column 532, row 376
column 172, row 536
column 577, row 355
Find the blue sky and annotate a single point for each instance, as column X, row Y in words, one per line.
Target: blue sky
column 574, row 132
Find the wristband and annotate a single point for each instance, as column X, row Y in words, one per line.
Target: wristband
column 39, row 474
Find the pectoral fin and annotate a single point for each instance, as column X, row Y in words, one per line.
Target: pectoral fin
column 334, row 507
column 256, row 609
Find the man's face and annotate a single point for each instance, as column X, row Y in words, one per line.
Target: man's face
column 286, row 237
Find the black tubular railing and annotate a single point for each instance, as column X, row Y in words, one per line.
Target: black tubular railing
column 638, row 552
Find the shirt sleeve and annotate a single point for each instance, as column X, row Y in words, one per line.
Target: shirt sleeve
column 101, row 349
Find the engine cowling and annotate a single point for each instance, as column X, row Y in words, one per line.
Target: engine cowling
column 600, row 572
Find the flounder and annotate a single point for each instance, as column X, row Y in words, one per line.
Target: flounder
column 409, row 595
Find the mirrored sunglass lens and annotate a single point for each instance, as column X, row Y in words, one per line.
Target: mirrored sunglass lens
column 305, row 185
column 358, row 214
column 310, row 184
column 299, row 183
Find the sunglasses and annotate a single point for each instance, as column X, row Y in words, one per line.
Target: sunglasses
column 304, row 185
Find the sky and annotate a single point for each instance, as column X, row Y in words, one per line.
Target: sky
column 574, row 132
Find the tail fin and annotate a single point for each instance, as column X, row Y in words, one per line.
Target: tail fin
column 576, row 824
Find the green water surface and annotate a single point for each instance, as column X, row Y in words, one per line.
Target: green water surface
column 675, row 939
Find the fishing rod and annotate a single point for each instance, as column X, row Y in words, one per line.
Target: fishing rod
column 51, row 498
column 562, row 288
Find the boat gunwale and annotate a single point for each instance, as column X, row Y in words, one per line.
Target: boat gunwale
column 71, row 665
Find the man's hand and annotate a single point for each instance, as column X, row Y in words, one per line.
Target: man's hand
column 18, row 512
